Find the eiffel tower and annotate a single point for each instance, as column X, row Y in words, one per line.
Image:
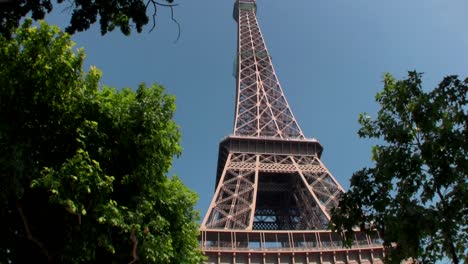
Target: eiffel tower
column 273, row 193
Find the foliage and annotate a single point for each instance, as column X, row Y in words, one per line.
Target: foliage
column 83, row 169
column 123, row 14
column 416, row 194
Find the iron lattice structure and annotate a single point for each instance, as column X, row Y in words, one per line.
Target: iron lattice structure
column 273, row 194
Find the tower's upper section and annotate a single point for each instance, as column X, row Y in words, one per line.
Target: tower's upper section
column 244, row 5
column 261, row 107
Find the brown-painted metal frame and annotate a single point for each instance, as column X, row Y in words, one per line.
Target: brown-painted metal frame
column 261, row 109
column 268, row 153
column 233, row 204
column 318, row 246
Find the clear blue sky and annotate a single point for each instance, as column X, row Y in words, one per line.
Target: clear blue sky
column 330, row 56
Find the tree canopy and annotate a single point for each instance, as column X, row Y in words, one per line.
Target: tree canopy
column 416, row 194
column 82, row 168
column 123, row 14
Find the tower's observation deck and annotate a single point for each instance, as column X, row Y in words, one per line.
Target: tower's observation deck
column 273, row 194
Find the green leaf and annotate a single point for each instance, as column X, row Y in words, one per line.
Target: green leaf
column 409, row 193
column 71, row 148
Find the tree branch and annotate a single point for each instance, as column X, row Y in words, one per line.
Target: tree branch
column 155, row 7
column 177, row 23
column 28, row 231
column 445, row 233
column 69, row 8
column 134, row 250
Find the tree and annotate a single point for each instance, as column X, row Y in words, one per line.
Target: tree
column 416, row 194
column 83, row 169
column 123, row 14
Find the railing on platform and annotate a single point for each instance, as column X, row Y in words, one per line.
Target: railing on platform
column 281, row 241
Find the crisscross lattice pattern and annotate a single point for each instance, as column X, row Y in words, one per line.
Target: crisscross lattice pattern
column 276, row 192
column 273, row 196
column 262, row 109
